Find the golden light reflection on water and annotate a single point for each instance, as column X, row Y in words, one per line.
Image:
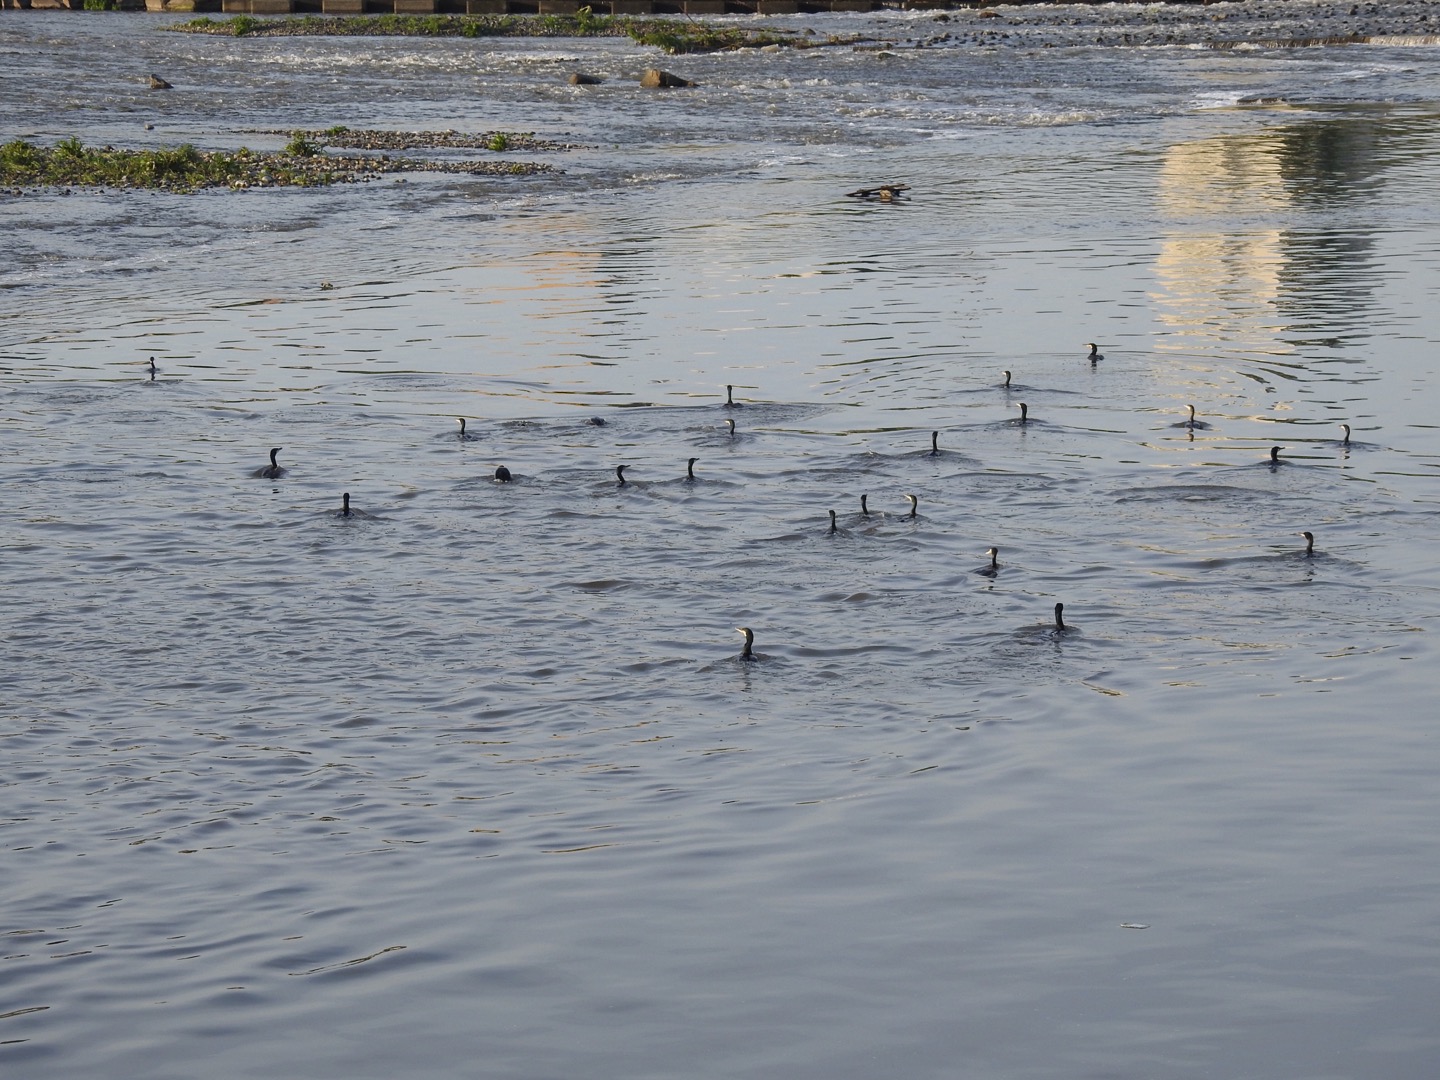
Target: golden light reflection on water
column 1214, row 282
column 1240, row 267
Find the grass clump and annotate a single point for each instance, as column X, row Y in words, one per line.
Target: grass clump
column 301, row 146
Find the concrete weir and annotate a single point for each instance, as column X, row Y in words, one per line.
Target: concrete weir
column 524, row 7
column 478, row 7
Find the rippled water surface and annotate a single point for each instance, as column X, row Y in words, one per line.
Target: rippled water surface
column 473, row 782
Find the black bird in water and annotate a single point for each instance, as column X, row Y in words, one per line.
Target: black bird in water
column 864, row 505
column 502, row 474
column 620, row 473
column 1024, row 414
column 1343, row 442
column 748, row 652
column 1191, row 422
column 345, row 505
column 1309, row 544
column 690, row 468
column 597, row 421
column 1006, row 383
column 1095, row 353
column 934, row 443
column 274, row 470
column 730, row 402
column 1059, row 620
column 994, row 554
column 834, row 528
column 914, row 506
column 1275, row 457
column 153, row 369
column 462, row 426
column 157, row 83
column 732, row 427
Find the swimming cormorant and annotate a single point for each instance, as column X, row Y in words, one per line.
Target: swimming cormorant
column 690, row 468
column 1192, row 423
column 502, row 474
column 153, row 370
column 1343, row 442
column 747, row 652
column 732, row 427
column 834, row 528
column 864, row 505
column 914, row 506
column 1309, row 544
column 462, row 426
column 1095, row 353
column 1006, row 383
column 345, row 507
column 620, row 473
column 994, row 554
column 729, row 400
column 1024, row 414
column 1275, row 456
column 934, row 443
column 1059, row 621
column 274, row 470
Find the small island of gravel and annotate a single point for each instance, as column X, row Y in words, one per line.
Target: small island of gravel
column 669, row 35
column 303, row 162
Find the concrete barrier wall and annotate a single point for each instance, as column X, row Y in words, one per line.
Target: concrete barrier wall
column 482, row 7
column 476, row 7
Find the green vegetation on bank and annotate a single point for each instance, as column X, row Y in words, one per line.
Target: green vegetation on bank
column 182, row 168
column 303, row 163
column 668, row 34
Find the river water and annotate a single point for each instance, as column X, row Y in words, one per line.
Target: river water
column 473, row 783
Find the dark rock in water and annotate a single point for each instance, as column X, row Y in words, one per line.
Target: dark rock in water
column 157, row 83
column 579, row 78
column 652, row 78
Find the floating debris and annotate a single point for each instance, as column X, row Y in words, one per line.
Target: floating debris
column 883, row 193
